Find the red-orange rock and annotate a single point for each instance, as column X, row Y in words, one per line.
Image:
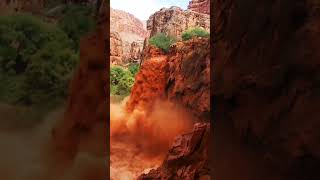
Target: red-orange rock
column 187, row 158
column 182, row 76
column 174, row 21
column 266, row 76
column 201, row 6
column 189, row 76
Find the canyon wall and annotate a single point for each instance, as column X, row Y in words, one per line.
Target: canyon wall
column 187, row 158
column 131, row 32
column 201, row 6
column 266, row 83
column 175, row 20
column 124, row 22
column 181, row 76
column 116, row 48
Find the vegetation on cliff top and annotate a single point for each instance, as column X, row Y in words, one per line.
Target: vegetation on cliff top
column 194, row 32
column 162, row 41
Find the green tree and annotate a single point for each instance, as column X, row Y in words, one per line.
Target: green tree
column 162, row 41
column 36, row 60
column 76, row 21
column 194, row 32
column 121, row 81
column 48, row 75
column 21, row 36
column 133, row 68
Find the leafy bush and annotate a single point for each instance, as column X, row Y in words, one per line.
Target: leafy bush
column 49, row 73
column 194, row 32
column 23, row 35
column 121, row 81
column 133, row 68
column 162, row 41
column 35, row 60
column 76, row 21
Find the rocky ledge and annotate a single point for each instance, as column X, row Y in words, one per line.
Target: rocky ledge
column 187, row 158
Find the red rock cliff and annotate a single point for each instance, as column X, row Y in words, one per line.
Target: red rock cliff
column 175, row 20
column 187, row 158
column 130, row 31
column 201, row 6
column 182, row 76
column 266, row 78
column 123, row 22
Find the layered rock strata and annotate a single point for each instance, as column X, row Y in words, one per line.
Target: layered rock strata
column 131, row 32
column 201, row 6
column 173, row 21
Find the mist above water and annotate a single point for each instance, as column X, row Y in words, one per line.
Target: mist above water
column 28, row 155
column 140, row 139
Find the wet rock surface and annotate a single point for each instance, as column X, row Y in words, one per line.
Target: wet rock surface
column 181, row 76
column 187, row 157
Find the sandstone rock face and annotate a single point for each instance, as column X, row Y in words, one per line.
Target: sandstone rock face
column 266, row 78
column 116, row 51
column 201, row 6
column 174, row 21
column 131, row 32
column 189, row 76
column 124, row 22
column 135, row 51
column 187, row 158
column 182, row 76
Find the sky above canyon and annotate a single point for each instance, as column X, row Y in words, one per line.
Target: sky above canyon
column 142, row 9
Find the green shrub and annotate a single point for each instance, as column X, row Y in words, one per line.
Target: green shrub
column 133, row 68
column 35, row 60
column 48, row 75
column 162, row 41
column 76, row 21
column 23, row 35
column 194, row 32
column 121, row 81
